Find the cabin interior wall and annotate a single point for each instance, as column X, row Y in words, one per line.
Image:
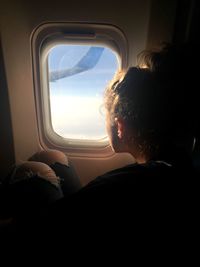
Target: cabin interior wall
column 6, row 138
column 161, row 23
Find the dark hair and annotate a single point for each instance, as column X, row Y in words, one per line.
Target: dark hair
column 158, row 101
column 175, row 68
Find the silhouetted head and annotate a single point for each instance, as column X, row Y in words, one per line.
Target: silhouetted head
column 151, row 109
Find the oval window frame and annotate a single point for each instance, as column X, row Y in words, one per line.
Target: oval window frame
column 43, row 39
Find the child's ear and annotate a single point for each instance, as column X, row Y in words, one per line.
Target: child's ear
column 120, row 127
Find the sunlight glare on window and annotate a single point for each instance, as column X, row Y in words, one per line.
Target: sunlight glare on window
column 78, row 75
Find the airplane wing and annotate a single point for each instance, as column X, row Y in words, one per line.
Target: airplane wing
column 88, row 61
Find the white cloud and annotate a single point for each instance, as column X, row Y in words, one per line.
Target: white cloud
column 77, row 117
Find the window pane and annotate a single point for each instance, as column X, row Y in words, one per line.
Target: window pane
column 78, row 75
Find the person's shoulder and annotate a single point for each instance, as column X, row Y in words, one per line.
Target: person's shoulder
column 113, row 176
column 127, row 177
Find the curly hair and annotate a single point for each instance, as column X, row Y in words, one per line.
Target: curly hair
column 154, row 101
column 131, row 97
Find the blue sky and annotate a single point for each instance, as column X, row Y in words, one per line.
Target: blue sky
column 75, row 100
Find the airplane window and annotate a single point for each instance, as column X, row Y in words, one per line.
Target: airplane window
column 77, row 77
